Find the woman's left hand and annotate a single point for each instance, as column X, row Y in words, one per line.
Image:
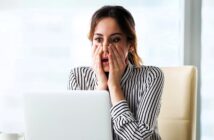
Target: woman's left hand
column 117, row 66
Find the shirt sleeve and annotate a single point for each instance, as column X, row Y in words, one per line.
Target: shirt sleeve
column 72, row 84
column 143, row 125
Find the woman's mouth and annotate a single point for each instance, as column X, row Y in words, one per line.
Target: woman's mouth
column 105, row 60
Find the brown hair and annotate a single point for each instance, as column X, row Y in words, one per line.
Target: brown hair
column 126, row 22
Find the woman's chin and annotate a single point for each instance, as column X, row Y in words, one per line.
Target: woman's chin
column 106, row 68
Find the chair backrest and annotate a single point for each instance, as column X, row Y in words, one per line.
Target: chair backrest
column 177, row 119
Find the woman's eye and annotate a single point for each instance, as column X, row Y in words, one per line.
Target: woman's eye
column 99, row 40
column 115, row 40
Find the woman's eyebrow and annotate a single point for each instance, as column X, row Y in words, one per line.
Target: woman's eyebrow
column 116, row 34
column 99, row 34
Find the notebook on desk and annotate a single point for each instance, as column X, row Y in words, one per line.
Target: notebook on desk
column 68, row 115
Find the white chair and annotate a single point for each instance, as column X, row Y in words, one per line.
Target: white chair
column 177, row 119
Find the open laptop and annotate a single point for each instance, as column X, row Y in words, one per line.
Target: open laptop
column 68, row 115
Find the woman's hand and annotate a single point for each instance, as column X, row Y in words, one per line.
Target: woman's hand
column 97, row 66
column 117, row 66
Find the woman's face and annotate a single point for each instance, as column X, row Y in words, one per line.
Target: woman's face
column 107, row 32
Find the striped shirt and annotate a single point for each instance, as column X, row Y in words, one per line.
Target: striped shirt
column 134, row 118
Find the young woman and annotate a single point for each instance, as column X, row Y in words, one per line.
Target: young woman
column 135, row 90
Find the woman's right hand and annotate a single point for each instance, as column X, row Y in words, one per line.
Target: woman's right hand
column 97, row 66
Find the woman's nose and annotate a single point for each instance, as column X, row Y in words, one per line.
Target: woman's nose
column 105, row 46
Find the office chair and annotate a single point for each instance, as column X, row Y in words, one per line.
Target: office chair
column 177, row 119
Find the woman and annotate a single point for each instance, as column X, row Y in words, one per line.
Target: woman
column 135, row 90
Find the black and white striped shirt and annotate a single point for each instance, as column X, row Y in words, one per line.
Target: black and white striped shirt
column 136, row 117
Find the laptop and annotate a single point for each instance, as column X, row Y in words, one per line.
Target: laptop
column 68, row 115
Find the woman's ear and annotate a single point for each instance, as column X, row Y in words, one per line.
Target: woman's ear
column 131, row 48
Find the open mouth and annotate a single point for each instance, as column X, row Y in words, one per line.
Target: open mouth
column 105, row 60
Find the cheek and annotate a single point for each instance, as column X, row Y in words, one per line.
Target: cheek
column 94, row 42
column 124, row 50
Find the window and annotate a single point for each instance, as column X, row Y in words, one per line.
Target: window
column 207, row 70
